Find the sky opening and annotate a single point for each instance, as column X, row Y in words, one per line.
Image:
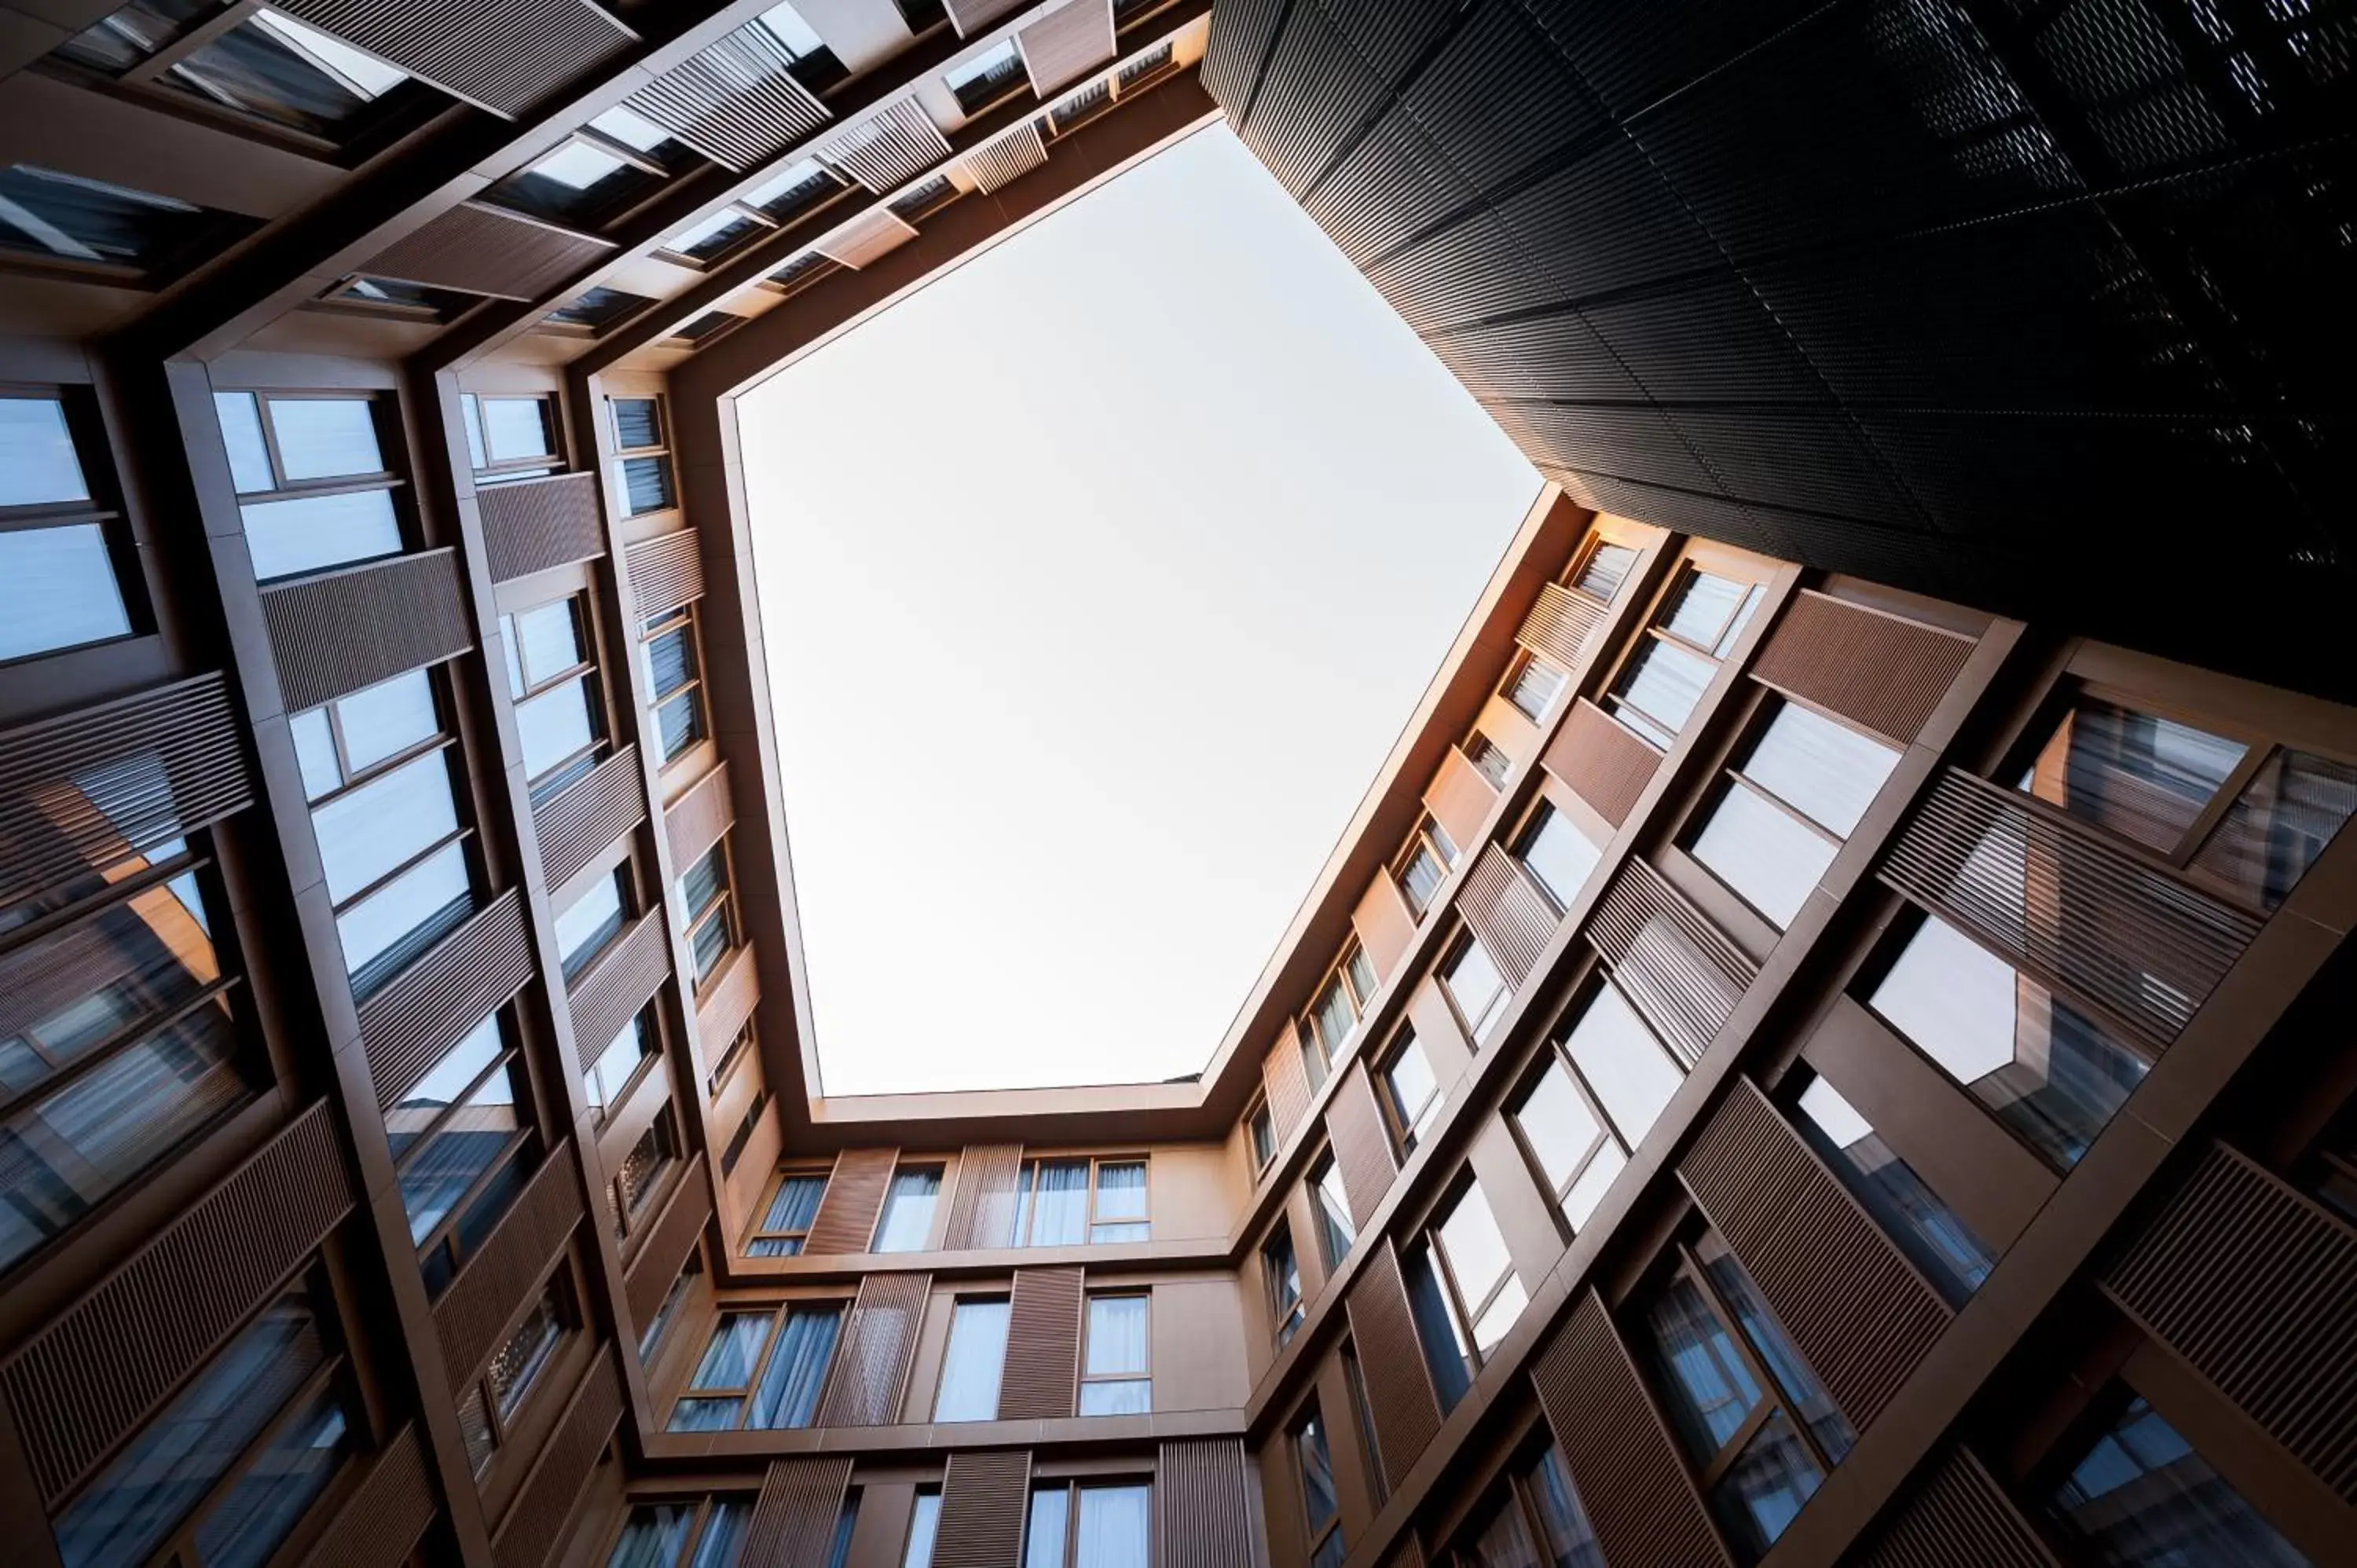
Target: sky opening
column 1097, row 579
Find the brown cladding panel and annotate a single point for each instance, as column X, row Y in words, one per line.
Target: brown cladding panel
column 1605, row 764
column 694, row 823
column 982, row 1210
column 733, row 995
column 493, row 1286
column 1859, row 1313
column 339, row 632
column 1063, row 46
column 1287, row 1083
column 793, row 1521
column 1202, row 1510
column 735, row 101
column 1458, row 798
column 846, row 1220
column 666, row 572
column 872, row 1366
column 1043, row 1345
column 1884, row 672
column 1400, row 1399
column 87, row 787
column 984, row 1496
column 379, row 1521
column 1959, row 1518
column 579, row 824
column 1362, row 1145
column 1508, row 915
column 505, row 58
column 94, row 1374
column 1406, row 1552
column 2254, row 1285
column 1382, row 924
column 533, row 1527
column 604, row 998
column 1560, row 624
column 1635, row 1487
column 2062, row 902
column 532, row 525
column 432, row 1005
column 489, row 250
column 667, row 1248
column 1681, row 970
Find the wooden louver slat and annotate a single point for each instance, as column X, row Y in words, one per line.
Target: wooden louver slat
column 1042, row 1372
column 846, row 1215
column 1679, row 970
column 1400, row 1399
column 984, row 1496
column 871, row 1368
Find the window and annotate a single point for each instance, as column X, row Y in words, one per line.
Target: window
column 925, row 198
column 1567, row 1138
column 675, row 676
column 1942, row 1244
column 1531, row 686
column 2140, row 1497
column 1603, row 569
column 1488, row 759
column 643, row 1168
column 792, row 193
column 847, row 1524
column 1313, row 1466
column 312, row 481
column 712, row 237
column 710, row 910
column 1753, row 1419
column 588, row 924
column 1474, row 984
column 705, row 1533
column 55, row 217
column 794, row 189
column 1331, row 1205
column 1422, row 866
column 1260, row 1129
column 762, row 1369
column 738, row 1050
column 102, row 1076
column 594, row 310
column 600, row 172
column 1089, row 1525
column 783, row 1230
column 658, row 1327
column 907, row 1222
column 1785, row 807
column 1411, row 1096
column 973, row 1361
column 1674, row 662
column 57, row 583
column 1062, row 1203
column 1462, row 1293
column 1282, row 1272
column 618, row 1065
column 1535, row 1504
column 459, row 1144
column 1363, row 1415
column 487, row 1411
column 744, row 1134
column 510, row 438
column 226, row 1471
column 2046, row 1069
column 924, row 1527
column 1115, row 1373
column 986, row 79
column 1556, row 854
column 643, row 455
column 266, row 68
column 2152, row 780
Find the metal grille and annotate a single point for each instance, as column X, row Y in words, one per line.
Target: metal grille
column 1202, row 1507
column 871, row 1368
column 2062, row 902
column 1605, row 764
column 492, row 1286
column 578, row 826
column 504, row 58
column 982, row 1210
column 532, row 525
column 982, row 1498
column 476, row 249
column 694, row 823
column 1682, row 972
column 735, row 101
column 793, row 1522
column 95, row 1372
column 1287, row 1083
column 1005, row 159
column 431, row 1005
column 1860, row 1314
column 972, row 16
column 2255, row 1286
column 899, row 143
column 1400, row 1399
column 606, row 996
column 1886, row 673
column 1362, row 1145
column 876, row 232
column 1559, row 625
column 1509, row 916
column 1061, row 46
column 379, row 1523
column 1635, row 1487
column 339, row 631
column 854, row 1197
column 666, row 572
column 86, row 788
column 533, row 1527
column 1043, row 1345
column 1458, row 798
column 667, row 1247
column 1959, row 1518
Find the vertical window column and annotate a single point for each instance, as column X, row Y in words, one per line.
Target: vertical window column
column 312, row 481
column 60, row 547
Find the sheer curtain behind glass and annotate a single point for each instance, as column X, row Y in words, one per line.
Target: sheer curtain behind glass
column 1116, row 1371
column 1116, row 1528
column 971, row 1366
column 789, row 1392
column 1053, row 1209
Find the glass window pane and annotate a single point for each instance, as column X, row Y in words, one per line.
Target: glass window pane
column 49, row 213
column 735, row 1350
column 638, row 423
column 1942, row 1244
column 1420, row 877
column 1116, row 1528
column 1804, row 1396
column 646, row 484
column 2144, row 777
column 1764, row 1489
column 448, row 1079
column 548, row 639
column 1116, row 1337
column 1558, row 854
column 1336, row 1232
column 1663, row 683
column 2277, row 826
column 1579, row 1202
column 517, row 426
column 1476, row 986
column 1446, row 1352
column 2050, row 1072
column 1132, row 1396
column 654, row 1536
column 1709, row 1389
column 1055, row 1200
column 1475, row 1247
column 1828, row 772
column 1570, row 1539
column 1623, row 1064
column 1534, row 687
column 1702, row 604
column 437, row 1176
column 38, row 463
column 1121, row 1190
column 1557, row 1126
column 315, row 754
column 706, row 1414
column 611, row 1072
column 1414, row 1092
column 924, row 1524
column 586, row 924
column 2141, row 1497
column 908, row 1221
column 1767, row 858
column 383, row 823
column 312, row 533
column 972, row 1365
column 421, row 903
column 1606, row 568
column 1504, row 1541
column 324, row 437
column 1316, row 1472
column 249, row 454
column 1043, row 1533
column 788, row 1397
column 554, row 726
column 57, row 589
column 387, row 718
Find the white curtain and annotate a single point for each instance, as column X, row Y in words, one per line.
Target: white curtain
column 1116, row 1528
column 977, row 1353
column 1060, row 1204
column 1116, row 1335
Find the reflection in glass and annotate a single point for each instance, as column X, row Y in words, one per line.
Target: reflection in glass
column 1828, row 772
column 1659, row 690
column 792, row 1208
column 1558, row 854
column 1476, row 986
column 973, row 1364
column 1415, row 1093
column 310, row 533
column 2144, row 777
column 2274, row 830
column 1762, row 1492
column 57, row 590
column 2141, row 1497
column 1942, row 1244
column 1710, row 1390
column 1623, row 1063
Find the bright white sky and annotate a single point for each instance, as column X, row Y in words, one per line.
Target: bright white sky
column 1097, row 580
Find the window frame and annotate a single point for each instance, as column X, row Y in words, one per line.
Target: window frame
column 1426, row 839
column 663, row 1133
column 443, row 1242
column 493, row 469
column 1453, row 952
column 742, row 1047
column 1143, row 1375
column 1475, row 746
column 704, row 1508
column 1407, row 1132
column 1727, row 566
column 1285, row 1318
column 682, row 619
column 100, row 508
column 1552, row 1056
column 1073, row 1486
column 659, row 453
column 1308, row 1420
column 647, row 1023
column 940, row 1167
column 756, row 1231
column 745, row 1393
column 561, row 1297
column 1313, row 1182
column 384, row 421
column 1510, row 685
column 1595, row 544
column 721, row 906
column 1260, row 1119
column 1027, row 1212
column 1468, row 1314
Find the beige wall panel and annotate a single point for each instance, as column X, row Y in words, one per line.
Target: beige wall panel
column 1384, row 927
column 1437, row 1030
column 1522, row 1211
column 1504, row 723
column 932, row 1341
column 1191, row 1192
column 1198, row 1345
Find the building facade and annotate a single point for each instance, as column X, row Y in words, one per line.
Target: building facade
column 1790, row 1063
